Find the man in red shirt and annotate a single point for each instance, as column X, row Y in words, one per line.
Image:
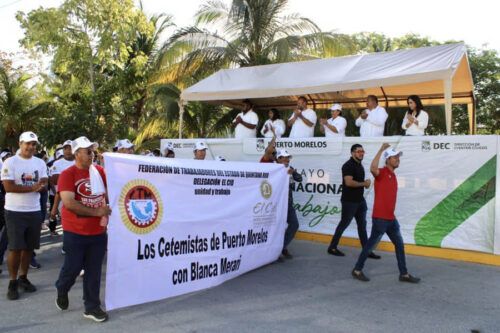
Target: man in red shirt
column 383, row 218
column 83, row 220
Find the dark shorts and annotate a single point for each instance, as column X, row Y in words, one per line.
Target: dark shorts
column 23, row 229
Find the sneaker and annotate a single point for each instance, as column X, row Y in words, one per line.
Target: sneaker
column 374, row 256
column 409, row 278
column 336, row 252
column 286, row 254
column 34, row 264
column 62, row 301
column 359, row 276
column 12, row 291
column 63, row 252
column 54, row 233
column 25, row 284
column 96, row 315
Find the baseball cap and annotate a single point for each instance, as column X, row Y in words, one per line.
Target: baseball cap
column 125, row 143
column 4, row 153
column 220, row 158
column 283, row 153
column 59, row 153
column 390, row 152
column 200, row 145
column 28, row 137
column 66, row 143
column 169, row 146
column 336, row 107
column 82, row 142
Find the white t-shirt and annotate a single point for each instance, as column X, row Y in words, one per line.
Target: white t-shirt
column 240, row 131
column 24, row 172
column 300, row 129
column 423, row 121
column 59, row 166
column 374, row 124
column 340, row 124
column 278, row 125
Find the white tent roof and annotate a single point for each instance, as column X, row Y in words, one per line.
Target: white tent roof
column 391, row 76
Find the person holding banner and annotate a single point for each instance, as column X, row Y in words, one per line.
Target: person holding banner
column 125, row 146
column 270, row 152
column 84, row 220
column 353, row 201
column 283, row 157
column 200, row 150
column 302, row 120
column 336, row 125
column 383, row 218
column 416, row 119
column 169, row 150
column 371, row 122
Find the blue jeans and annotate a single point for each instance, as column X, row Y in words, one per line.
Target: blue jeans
column 379, row 228
column 351, row 210
column 293, row 225
column 83, row 252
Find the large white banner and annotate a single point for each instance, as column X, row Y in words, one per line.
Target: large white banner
column 446, row 194
column 183, row 225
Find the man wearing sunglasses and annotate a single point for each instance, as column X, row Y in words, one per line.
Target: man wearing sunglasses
column 24, row 176
column 85, row 237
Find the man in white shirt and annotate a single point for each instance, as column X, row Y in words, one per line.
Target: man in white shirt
column 59, row 166
column 200, row 150
column 302, row 120
column 245, row 123
column 336, row 125
column 23, row 177
column 372, row 120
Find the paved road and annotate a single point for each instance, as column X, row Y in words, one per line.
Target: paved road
column 313, row 292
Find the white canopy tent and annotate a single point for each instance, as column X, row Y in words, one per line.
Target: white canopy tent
column 438, row 74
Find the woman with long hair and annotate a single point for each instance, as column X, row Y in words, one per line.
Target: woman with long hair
column 274, row 126
column 416, row 119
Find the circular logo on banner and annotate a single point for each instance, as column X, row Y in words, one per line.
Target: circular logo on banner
column 140, row 205
column 266, row 189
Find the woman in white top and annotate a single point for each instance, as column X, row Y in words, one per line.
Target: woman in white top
column 274, row 126
column 416, row 119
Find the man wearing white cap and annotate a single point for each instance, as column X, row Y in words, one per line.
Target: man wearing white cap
column 283, row 157
column 336, row 125
column 23, row 177
column 371, row 122
column 83, row 219
column 125, row 146
column 383, row 218
column 59, row 166
column 200, row 150
column 169, row 150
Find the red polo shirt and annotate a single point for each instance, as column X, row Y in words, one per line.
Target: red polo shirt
column 386, row 191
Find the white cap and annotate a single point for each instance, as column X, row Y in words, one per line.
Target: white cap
column 4, row 153
column 67, row 143
column 28, row 137
column 336, row 107
column 283, row 153
column 220, row 158
column 390, row 152
column 116, row 144
column 59, row 153
column 125, row 143
column 169, row 146
column 82, row 142
column 200, row 145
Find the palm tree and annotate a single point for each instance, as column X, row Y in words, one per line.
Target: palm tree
column 244, row 33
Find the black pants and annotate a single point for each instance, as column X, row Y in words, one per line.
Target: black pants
column 83, row 252
column 350, row 210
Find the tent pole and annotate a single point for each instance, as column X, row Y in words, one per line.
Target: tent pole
column 385, row 96
column 447, row 104
column 181, row 117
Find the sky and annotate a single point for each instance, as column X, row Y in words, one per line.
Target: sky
column 474, row 22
